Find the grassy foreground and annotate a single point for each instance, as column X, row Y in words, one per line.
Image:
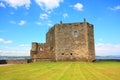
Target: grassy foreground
column 102, row 70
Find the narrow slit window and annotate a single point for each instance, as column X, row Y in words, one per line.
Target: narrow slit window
column 62, row 54
column 75, row 34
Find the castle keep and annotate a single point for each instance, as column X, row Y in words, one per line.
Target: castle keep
column 66, row 42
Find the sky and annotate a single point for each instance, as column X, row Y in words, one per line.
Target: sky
column 25, row 21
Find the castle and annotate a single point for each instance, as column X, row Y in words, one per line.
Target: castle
column 66, row 42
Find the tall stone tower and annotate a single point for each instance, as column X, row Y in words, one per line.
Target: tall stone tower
column 66, row 42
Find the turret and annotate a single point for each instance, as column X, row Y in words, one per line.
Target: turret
column 60, row 22
column 85, row 23
column 84, row 19
column 34, row 47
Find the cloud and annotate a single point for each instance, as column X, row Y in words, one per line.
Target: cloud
column 100, row 39
column 49, row 24
column 8, row 42
column 48, row 5
column 5, row 41
column 22, row 22
column 1, row 40
column 38, row 23
column 78, row 6
column 14, row 52
column 43, row 16
column 107, row 49
column 2, row 5
column 19, row 50
column 23, row 45
column 18, row 3
column 115, row 8
column 65, row 15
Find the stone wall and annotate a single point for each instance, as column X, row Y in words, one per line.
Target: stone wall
column 50, row 40
column 71, row 42
column 43, row 53
column 91, row 48
column 66, row 42
column 14, row 61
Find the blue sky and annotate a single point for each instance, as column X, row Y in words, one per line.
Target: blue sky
column 25, row 21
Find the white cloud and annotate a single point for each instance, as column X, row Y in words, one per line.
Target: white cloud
column 0, row 51
column 115, row 8
column 18, row 3
column 22, row 22
column 100, row 39
column 1, row 40
column 5, row 41
column 78, row 6
column 8, row 42
column 19, row 50
column 38, row 23
column 65, row 15
column 14, row 53
column 107, row 49
column 43, row 16
column 2, row 5
column 48, row 5
column 49, row 24
column 23, row 45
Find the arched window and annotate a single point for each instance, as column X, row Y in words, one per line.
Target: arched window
column 41, row 49
column 75, row 34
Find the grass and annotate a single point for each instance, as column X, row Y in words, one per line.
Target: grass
column 102, row 70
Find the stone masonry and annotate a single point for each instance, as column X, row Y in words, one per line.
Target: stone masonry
column 66, row 42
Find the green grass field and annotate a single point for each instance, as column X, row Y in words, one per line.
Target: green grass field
column 102, row 70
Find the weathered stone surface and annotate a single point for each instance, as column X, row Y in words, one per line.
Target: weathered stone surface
column 66, row 42
column 14, row 61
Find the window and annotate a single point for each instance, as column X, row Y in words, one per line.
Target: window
column 62, row 54
column 51, row 48
column 41, row 49
column 75, row 34
column 70, row 53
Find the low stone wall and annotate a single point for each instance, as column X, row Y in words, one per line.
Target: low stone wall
column 15, row 61
column 41, row 59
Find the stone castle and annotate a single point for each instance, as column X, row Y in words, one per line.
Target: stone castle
column 66, row 42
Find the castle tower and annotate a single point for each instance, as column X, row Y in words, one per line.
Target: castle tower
column 67, row 42
column 34, row 51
